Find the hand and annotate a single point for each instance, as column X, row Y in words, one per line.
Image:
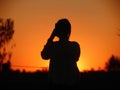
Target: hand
column 52, row 36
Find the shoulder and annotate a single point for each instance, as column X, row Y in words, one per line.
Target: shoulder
column 75, row 48
column 74, row 43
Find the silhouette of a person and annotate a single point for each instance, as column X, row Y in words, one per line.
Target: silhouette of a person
column 63, row 55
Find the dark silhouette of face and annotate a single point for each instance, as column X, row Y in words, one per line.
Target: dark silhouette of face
column 63, row 29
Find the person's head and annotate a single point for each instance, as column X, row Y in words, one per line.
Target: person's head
column 63, row 29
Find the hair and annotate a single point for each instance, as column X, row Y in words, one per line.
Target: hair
column 63, row 28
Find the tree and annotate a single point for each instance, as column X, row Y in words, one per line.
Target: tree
column 113, row 64
column 6, row 34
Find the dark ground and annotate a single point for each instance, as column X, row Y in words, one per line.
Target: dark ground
column 38, row 80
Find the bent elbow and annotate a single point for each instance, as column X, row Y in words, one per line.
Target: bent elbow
column 44, row 56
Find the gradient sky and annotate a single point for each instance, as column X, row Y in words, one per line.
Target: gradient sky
column 95, row 25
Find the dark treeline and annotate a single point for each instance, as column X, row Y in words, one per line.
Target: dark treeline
column 107, row 78
column 39, row 80
column 100, row 79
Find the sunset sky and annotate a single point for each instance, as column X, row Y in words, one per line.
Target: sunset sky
column 95, row 26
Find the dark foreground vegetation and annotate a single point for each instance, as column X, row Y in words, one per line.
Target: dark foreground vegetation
column 38, row 80
column 100, row 79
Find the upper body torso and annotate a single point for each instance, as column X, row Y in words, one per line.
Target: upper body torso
column 63, row 57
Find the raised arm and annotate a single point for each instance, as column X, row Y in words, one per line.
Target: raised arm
column 46, row 52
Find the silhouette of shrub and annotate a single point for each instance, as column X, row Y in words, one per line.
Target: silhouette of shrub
column 6, row 34
column 113, row 64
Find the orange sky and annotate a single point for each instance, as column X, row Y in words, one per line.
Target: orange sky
column 95, row 25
